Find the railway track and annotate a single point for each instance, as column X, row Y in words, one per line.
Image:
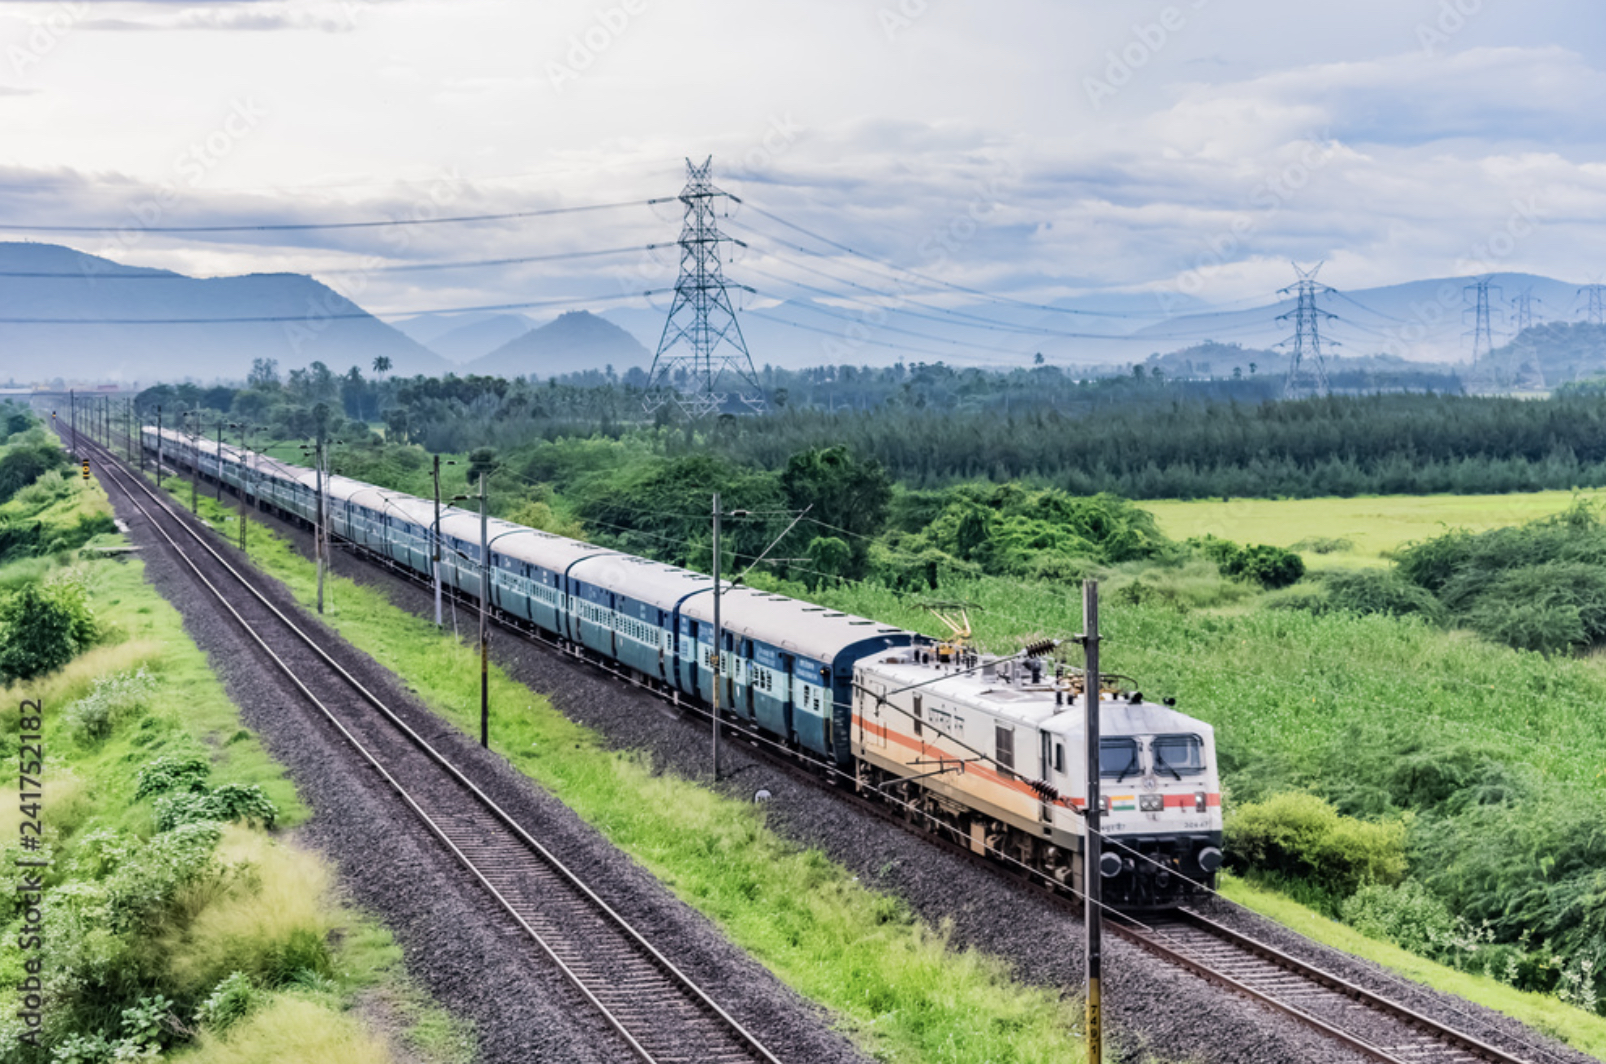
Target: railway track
column 652, row 1007
column 1363, row 1020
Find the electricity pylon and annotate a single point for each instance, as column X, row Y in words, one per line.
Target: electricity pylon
column 702, row 319
column 1307, row 339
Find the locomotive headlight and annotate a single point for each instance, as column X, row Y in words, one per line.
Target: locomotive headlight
column 1109, row 865
column 1209, row 858
column 1151, row 803
column 1199, row 802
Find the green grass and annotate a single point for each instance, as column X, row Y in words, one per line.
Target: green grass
column 893, row 983
column 90, row 784
column 1573, row 1026
column 1374, row 524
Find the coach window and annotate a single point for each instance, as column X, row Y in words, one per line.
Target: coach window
column 919, row 727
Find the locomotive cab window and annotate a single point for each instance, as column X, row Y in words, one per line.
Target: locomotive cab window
column 1118, row 758
column 1178, row 755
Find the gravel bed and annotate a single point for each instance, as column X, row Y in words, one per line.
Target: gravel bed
column 478, row 966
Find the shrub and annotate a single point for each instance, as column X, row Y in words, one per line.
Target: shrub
column 1300, row 837
column 1322, row 545
column 291, row 1028
column 43, row 628
column 1270, row 567
column 228, row 1002
column 115, row 700
column 1368, row 591
column 231, row 802
column 1407, row 915
column 172, row 772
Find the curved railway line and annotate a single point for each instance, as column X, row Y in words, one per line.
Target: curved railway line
column 1365, row 1021
column 653, row 1008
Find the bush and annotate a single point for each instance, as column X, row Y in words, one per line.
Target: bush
column 1323, row 545
column 1302, row 838
column 42, row 628
column 1368, row 591
column 115, row 700
column 231, row 802
column 172, row 772
column 228, row 1002
column 1407, row 915
column 1270, row 567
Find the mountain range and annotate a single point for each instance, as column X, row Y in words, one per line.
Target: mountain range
column 67, row 314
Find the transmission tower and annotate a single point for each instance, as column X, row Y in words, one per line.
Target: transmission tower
column 701, row 319
column 1525, row 357
column 1597, row 304
column 1482, row 331
column 1307, row 339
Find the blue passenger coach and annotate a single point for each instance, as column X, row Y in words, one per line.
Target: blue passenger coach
column 787, row 665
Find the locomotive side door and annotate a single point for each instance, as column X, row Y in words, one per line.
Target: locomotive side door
column 876, row 732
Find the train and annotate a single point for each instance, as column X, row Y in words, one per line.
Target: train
column 985, row 750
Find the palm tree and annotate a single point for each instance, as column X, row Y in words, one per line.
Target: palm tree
column 381, row 367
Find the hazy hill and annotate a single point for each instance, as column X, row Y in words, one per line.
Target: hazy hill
column 465, row 337
column 576, row 341
column 1421, row 320
column 82, row 289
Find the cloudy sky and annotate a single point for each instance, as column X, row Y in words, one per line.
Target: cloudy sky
column 1041, row 149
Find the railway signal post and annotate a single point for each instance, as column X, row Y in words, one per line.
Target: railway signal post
column 485, row 594
column 1092, row 873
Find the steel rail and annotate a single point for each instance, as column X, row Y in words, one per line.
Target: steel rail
column 699, row 997
column 1153, row 941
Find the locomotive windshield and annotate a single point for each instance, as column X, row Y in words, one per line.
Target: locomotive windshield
column 1118, row 758
column 1178, row 755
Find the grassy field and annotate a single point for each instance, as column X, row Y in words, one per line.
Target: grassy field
column 89, row 788
column 1372, row 524
column 892, row 982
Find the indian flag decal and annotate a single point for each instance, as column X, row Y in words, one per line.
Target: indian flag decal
column 1124, row 803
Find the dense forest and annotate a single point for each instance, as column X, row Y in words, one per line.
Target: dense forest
column 1140, row 437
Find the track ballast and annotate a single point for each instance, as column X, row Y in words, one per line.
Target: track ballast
column 654, row 1009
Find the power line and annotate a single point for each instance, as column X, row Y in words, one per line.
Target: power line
column 166, row 275
column 284, row 227
column 926, row 277
column 318, row 316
